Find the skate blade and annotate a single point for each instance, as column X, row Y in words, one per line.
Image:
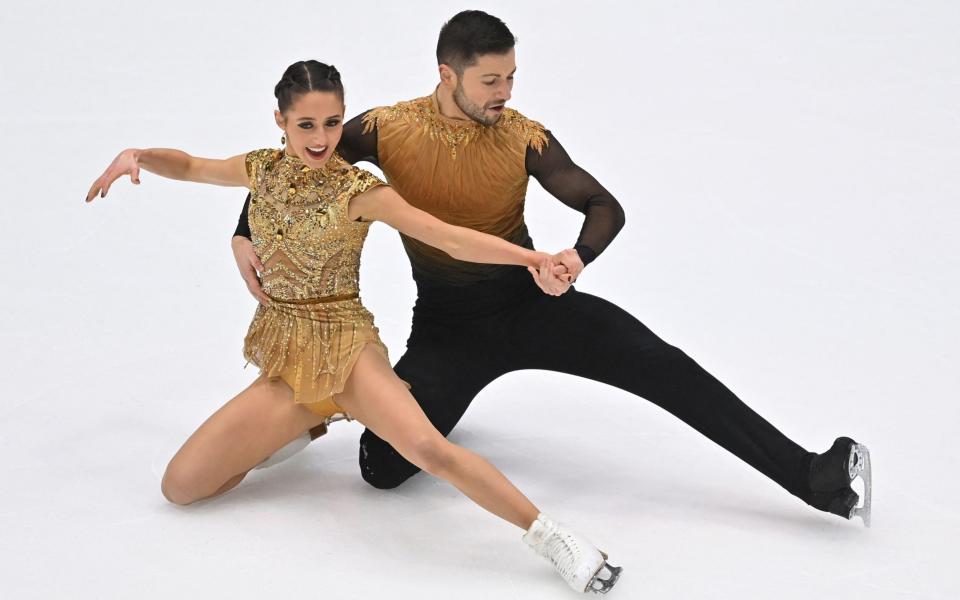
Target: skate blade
column 859, row 465
column 605, row 585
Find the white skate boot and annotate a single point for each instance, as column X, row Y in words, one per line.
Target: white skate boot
column 572, row 555
column 293, row 447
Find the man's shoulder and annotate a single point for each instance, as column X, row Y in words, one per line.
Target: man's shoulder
column 420, row 112
column 408, row 111
column 533, row 133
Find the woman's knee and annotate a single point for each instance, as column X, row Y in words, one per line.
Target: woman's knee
column 173, row 490
column 181, row 483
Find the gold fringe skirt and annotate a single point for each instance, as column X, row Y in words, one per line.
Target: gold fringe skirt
column 312, row 345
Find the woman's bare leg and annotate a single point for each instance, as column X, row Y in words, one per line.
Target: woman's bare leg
column 239, row 436
column 376, row 397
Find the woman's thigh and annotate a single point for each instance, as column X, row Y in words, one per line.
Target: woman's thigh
column 240, row 435
column 376, row 397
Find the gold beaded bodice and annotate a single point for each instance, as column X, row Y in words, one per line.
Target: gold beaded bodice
column 300, row 228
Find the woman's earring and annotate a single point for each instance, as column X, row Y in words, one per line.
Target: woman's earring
column 283, row 139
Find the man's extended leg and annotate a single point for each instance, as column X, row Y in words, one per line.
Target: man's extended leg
column 584, row 335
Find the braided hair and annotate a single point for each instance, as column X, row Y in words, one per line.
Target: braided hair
column 307, row 76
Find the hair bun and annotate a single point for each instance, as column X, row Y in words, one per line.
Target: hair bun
column 284, row 84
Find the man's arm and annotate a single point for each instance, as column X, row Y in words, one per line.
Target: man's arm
column 576, row 188
column 355, row 145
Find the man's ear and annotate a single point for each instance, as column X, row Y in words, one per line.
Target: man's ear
column 448, row 76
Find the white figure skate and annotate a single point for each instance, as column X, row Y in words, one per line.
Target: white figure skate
column 572, row 555
column 298, row 444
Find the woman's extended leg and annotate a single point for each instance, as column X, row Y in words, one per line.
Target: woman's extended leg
column 376, row 397
column 242, row 433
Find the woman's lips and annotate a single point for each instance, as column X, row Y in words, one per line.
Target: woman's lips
column 316, row 155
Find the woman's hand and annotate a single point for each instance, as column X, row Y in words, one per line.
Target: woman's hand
column 250, row 267
column 124, row 164
column 551, row 277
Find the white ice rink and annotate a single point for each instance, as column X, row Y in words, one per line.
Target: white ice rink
column 791, row 177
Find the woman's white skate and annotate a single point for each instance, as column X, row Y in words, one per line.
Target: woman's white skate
column 572, row 555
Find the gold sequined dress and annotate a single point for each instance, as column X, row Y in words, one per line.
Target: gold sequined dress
column 312, row 331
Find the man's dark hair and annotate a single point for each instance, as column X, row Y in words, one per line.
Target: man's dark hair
column 470, row 34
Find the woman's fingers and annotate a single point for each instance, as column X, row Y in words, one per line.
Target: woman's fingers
column 110, row 178
column 135, row 174
column 559, row 282
column 536, row 278
column 545, row 279
column 94, row 190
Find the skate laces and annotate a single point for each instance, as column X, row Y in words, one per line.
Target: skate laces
column 563, row 552
column 562, row 548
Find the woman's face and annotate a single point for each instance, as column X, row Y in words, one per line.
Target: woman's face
column 313, row 125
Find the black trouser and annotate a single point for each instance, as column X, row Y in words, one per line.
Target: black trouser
column 463, row 338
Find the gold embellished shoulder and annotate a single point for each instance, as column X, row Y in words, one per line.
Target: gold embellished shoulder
column 532, row 132
column 409, row 111
column 363, row 180
column 421, row 112
column 258, row 158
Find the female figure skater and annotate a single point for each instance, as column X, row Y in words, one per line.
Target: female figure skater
column 318, row 350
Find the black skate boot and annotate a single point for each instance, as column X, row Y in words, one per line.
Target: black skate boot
column 831, row 474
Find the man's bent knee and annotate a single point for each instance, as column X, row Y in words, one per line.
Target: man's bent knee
column 382, row 467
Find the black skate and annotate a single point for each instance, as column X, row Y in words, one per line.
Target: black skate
column 831, row 474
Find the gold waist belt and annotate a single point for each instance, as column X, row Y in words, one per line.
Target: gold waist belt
column 320, row 300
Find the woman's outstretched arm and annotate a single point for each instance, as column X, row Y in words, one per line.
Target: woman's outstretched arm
column 172, row 164
column 382, row 203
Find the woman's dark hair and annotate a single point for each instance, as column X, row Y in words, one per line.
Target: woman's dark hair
column 469, row 34
column 307, row 76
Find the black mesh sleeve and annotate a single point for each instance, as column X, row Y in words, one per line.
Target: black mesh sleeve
column 576, row 188
column 243, row 226
column 354, row 146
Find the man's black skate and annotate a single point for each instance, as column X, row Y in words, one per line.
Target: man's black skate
column 831, row 474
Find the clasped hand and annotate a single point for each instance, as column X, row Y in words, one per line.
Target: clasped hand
column 557, row 272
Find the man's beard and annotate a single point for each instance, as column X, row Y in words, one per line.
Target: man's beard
column 474, row 111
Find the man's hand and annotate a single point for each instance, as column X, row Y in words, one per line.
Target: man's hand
column 570, row 259
column 250, row 267
column 551, row 277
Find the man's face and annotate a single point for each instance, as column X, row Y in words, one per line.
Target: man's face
column 484, row 88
